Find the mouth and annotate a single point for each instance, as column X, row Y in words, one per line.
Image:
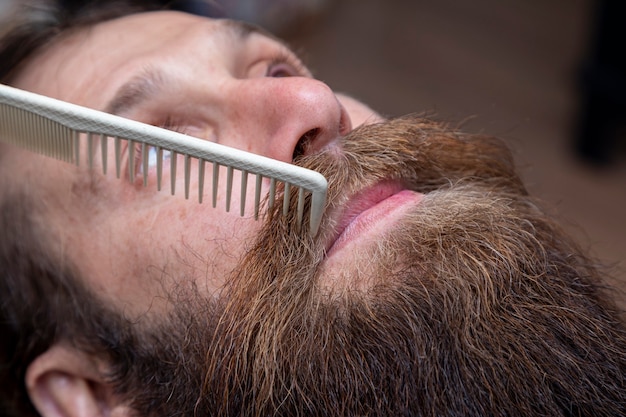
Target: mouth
column 369, row 213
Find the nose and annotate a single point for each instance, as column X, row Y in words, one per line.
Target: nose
column 282, row 118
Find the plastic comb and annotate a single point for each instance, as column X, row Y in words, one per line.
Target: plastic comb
column 61, row 130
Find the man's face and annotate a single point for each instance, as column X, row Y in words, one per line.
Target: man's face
column 215, row 80
column 435, row 287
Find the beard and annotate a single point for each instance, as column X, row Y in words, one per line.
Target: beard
column 474, row 303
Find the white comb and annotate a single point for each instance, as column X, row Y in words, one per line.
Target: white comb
column 58, row 129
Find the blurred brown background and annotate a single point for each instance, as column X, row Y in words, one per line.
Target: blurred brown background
column 506, row 67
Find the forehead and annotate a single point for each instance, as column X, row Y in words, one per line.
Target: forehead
column 85, row 66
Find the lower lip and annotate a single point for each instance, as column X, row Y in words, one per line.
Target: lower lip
column 371, row 222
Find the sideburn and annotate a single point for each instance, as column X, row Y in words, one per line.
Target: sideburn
column 42, row 300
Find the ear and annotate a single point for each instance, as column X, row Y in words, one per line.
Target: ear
column 65, row 382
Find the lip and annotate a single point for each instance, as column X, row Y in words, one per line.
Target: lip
column 370, row 210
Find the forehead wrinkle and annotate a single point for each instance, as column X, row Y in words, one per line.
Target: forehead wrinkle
column 244, row 30
column 241, row 30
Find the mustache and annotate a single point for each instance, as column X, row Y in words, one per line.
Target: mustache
column 427, row 153
column 422, row 154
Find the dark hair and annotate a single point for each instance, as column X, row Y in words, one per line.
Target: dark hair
column 38, row 303
column 43, row 301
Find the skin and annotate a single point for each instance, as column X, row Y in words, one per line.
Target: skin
column 473, row 304
column 133, row 243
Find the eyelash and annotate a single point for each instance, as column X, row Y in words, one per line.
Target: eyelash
column 171, row 123
column 138, row 159
column 283, row 57
column 168, row 123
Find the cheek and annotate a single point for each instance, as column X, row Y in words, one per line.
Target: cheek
column 360, row 114
column 209, row 239
column 142, row 257
column 195, row 242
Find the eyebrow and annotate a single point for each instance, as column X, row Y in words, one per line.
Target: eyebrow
column 138, row 89
column 151, row 81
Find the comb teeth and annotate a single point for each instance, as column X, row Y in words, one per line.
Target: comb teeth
column 63, row 130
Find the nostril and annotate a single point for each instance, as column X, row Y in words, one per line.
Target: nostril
column 305, row 142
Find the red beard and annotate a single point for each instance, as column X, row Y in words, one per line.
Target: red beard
column 473, row 304
column 476, row 304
